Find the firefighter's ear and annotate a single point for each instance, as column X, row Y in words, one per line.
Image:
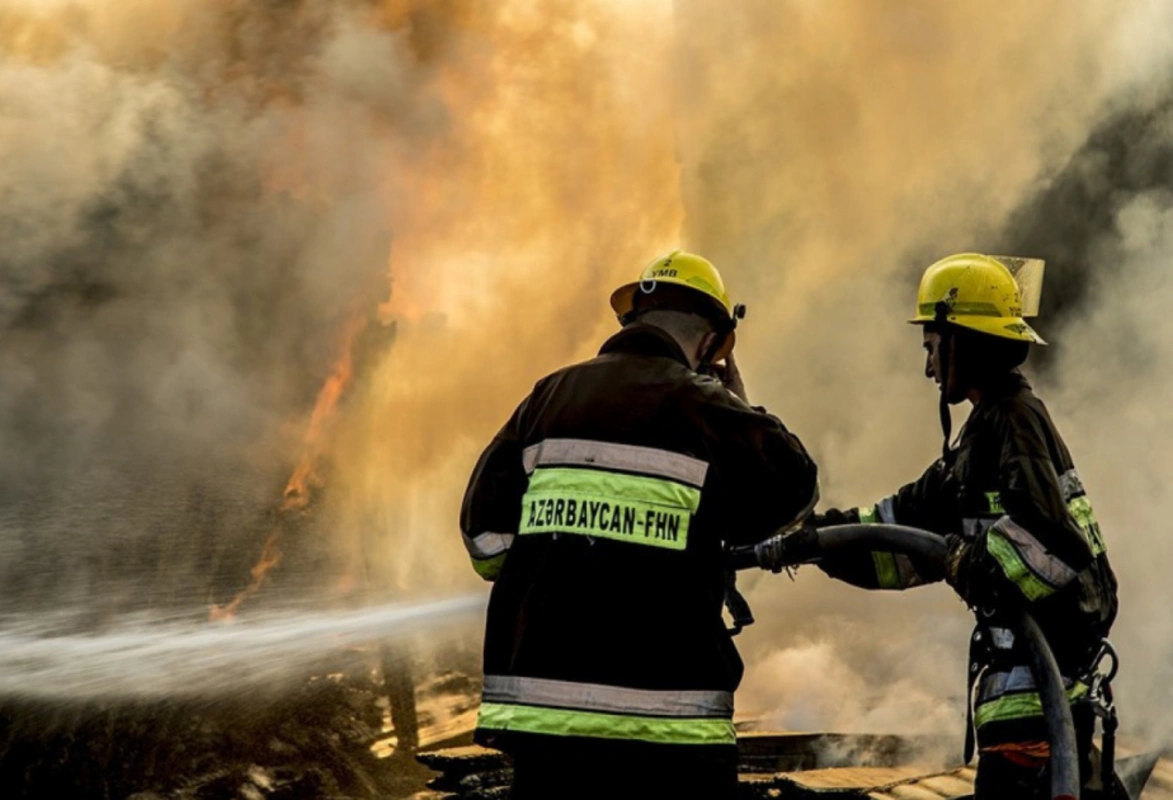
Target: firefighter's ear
column 706, row 350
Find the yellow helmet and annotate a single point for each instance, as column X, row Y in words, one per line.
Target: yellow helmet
column 979, row 292
column 679, row 268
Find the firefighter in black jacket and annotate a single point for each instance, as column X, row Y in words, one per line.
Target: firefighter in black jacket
column 601, row 511
column 1019, row 523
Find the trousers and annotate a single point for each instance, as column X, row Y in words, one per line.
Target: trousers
column 613, row 771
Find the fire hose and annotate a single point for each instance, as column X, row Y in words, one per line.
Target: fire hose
column 1065, row 780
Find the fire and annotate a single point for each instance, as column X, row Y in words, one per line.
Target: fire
column 297, row 489
column 297, row 493
column 270, row 557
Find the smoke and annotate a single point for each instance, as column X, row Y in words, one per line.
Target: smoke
column 861, row 144
column 198, row 201
column 1109, row 214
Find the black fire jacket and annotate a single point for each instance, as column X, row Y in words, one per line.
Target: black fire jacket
column 1010, row 489
column 600, row 511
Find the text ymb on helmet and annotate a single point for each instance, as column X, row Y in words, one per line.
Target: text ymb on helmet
column 683, row 282
column 993, row 295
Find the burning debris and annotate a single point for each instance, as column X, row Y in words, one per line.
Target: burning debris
column 328, row 738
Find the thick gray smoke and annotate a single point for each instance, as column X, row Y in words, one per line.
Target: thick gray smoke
column 1108, row 219
column 184, row 233
column 863, row 144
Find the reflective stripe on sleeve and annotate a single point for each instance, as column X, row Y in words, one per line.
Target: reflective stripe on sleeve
column 886, row 574
column 1080, row 509
column 893, row 570
column 489, row 568
column 623, row 457
column 974, row 527
column 487, row 545
column 593, row 724
column 1071, row 485
column 552, row 693
column 1025, row 561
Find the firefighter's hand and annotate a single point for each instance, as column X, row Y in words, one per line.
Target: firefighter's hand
column 730, row 376
column 955, row 573
column 788, row 550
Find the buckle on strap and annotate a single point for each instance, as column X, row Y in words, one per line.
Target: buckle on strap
column 1099, row 679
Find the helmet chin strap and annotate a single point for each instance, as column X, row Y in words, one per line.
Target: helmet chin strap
column 944, row 353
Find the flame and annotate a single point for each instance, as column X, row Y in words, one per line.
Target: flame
column 297, row 493
column 305, row 476
column 270, row 557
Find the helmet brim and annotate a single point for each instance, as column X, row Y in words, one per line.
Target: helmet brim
column 1014, row 328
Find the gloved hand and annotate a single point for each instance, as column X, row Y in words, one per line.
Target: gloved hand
column 955, row 572
column 789, row 549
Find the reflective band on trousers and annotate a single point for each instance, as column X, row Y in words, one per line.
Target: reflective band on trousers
column 609, row 505
column 1011, row 695
column 607, row 699
column 1025, row 561
column 622, row 457
column 593, row 724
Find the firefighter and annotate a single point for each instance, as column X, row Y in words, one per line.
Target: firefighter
column 1020, row 527
column 600, row 511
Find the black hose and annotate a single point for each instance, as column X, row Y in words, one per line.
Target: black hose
column 1049, row 681
column 1056, row 711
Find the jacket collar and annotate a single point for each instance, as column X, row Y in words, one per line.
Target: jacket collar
column 645, row 340
column 1010, row 383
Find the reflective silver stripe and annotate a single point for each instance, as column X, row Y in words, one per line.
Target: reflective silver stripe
column 624, row 457
column 1018, row 679
column 887, row 510
column 1071, row 485
column 1041, row 562
column 487, row 545
column 606, row 699
column 976, row 526
column 1003, row 638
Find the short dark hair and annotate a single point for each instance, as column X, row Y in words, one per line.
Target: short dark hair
column 683, row 326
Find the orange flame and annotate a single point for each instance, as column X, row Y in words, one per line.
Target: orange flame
column 296, row 496
column 270, row 557
column 297, row 490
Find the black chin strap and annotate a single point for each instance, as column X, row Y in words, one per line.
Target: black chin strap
column 943, row 357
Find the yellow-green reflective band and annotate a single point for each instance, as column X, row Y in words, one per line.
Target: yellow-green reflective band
column 867, row 516
column 1015, row 568
column 887, row 575
column 1080, row 509
column 629, row 508
column 994, row 499
column 596, row 725
column 489, row 568
column 1019, row 706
